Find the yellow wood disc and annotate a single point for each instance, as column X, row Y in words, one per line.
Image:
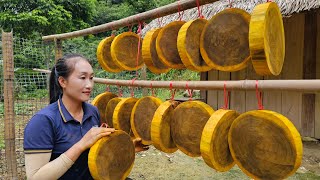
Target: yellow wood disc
column 214, row 140
column 149, row 53
column 141, row 118
column 101, row 102
column 166, row 45
column 160, row 127
column 104, row 56
column 224, row 43
column 265, row 145
column 122, row 114
column 267, row 39
column 112, row 157
column 187, row 123
column 124, row 51
column 110, row 110
column 189, row 45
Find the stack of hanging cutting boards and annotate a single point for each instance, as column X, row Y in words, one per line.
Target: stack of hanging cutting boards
column 226, row 42
column 263, row 143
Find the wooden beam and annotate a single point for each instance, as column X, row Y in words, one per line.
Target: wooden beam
column 135, row 19
column 311, row 86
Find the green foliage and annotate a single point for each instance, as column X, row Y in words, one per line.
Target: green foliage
column 19, row 109
column 107, row 12
column 85, row 46
column 34, row 94
column 45, row 17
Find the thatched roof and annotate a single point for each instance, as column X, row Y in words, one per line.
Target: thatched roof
column 287, row 8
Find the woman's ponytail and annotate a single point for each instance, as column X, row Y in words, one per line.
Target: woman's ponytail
column 54, row 87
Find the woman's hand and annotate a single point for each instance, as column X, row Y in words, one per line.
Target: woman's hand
column 93, row 135
column 139, row 146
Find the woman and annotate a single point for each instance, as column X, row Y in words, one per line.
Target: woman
column 57, row 138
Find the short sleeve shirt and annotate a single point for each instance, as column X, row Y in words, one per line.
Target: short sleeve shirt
column 54, row 130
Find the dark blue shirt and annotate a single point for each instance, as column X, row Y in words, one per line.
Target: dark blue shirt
column 54, row 130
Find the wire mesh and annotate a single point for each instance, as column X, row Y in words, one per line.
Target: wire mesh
column 30, row 93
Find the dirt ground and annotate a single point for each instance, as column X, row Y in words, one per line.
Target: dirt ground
column 153, row 164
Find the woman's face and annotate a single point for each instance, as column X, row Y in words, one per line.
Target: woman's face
column 79, row 84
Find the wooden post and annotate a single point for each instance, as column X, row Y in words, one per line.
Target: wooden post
column 9, row 128
column 309, row 72
column 58, row 49
column 317, row 113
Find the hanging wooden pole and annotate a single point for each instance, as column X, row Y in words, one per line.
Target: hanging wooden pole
column 239, row 85
column 135, row 19
column 9, row 128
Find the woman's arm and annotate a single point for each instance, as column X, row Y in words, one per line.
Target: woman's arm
column 39, row 167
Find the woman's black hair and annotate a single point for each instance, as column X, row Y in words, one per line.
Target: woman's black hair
column 62, row 68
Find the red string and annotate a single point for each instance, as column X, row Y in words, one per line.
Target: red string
column 269, row 0
column 259, row 97
column 104, row 124
column 119, row 90
column 179, row 11
column 226, row 95
column 132, row 90
column 189, row 91
column 139, row 44
column 173, row 92
column 152, row 90
column 200, row 15
column 230, row 3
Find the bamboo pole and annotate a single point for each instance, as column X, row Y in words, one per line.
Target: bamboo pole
column 8, row 75
column 309, row 85
column 135, row 19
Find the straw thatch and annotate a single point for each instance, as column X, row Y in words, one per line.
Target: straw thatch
column 287, row 8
